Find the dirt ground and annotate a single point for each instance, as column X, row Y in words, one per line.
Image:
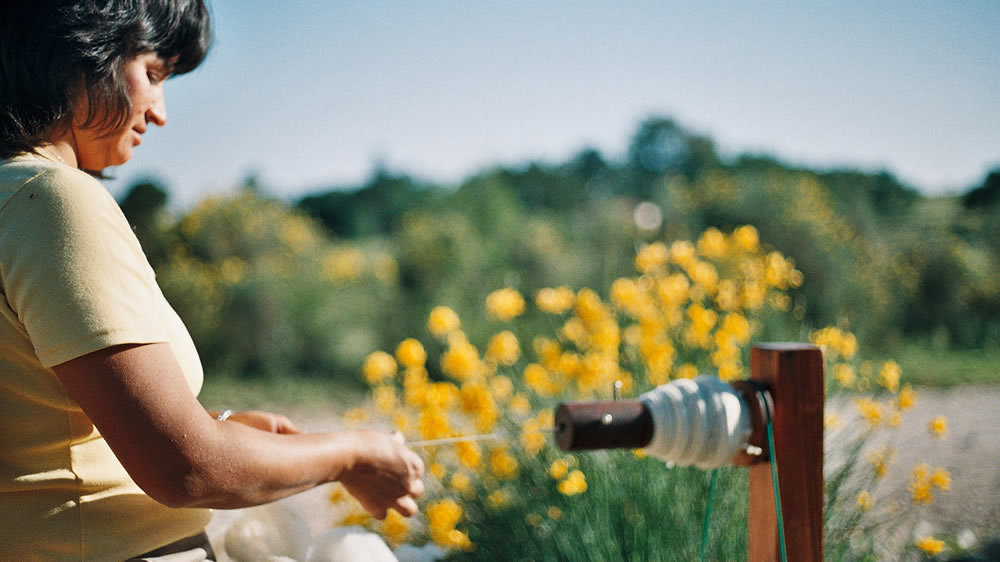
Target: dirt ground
column 970, row 452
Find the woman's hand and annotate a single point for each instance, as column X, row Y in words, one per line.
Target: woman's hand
column 265, row 421
column 385, row 474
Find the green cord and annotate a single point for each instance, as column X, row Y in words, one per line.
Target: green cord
column 774, row 484
column 774, row 480
column 708, row 514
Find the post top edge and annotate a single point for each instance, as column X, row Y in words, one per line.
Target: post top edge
column 785, row 346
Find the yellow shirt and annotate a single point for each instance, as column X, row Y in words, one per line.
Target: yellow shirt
column 73, row 279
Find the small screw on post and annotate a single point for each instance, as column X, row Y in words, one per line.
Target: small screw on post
column 616, row 390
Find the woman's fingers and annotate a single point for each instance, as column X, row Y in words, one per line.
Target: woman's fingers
column 406, row 506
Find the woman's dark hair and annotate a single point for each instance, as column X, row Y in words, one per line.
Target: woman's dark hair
column 51, row 51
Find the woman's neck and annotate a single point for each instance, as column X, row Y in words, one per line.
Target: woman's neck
column 60, row 151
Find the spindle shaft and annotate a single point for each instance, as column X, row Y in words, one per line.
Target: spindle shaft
column 613, row 424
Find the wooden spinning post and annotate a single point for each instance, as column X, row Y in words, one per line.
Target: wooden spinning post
column 786, row 383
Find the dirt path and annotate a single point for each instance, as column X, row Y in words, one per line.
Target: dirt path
column 970, row 453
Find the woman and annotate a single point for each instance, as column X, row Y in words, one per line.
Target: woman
column 105, row 453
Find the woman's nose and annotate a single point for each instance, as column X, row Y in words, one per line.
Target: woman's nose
column 157, row 112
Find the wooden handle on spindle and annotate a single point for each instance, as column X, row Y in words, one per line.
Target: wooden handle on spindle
column 603, row 425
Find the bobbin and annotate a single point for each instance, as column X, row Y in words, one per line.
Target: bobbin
column 702, row 422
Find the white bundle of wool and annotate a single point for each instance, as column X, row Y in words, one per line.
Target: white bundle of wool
column 702, row 422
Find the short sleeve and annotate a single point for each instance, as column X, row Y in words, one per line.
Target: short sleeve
column 73, row 271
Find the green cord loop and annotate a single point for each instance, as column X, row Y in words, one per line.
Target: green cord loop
column 774, row 485
column 774, row 478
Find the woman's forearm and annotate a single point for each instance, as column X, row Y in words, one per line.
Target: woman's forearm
column 182, row 456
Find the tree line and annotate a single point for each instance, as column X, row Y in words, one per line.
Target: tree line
column 878, row 257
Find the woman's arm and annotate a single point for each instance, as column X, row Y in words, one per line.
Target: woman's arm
column 182, row 456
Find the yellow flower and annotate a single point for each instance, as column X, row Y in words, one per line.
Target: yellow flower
column 353, row 518
column 574, row 331
column 433, row 424
column 461, row 361
column 520, row 404
column 687, row 371
column 941, row 479
column 747, row 238
column 844, row 374
column 338, row 494
column 410, row 353
column 930, row 545
column 870, row 410
column 443, row 321
column 554, row 512
column 651, row 256
column 831, row 420
column 537, row 379
column 712, row 243
column 502, row 463
column 574, row 484
column 415, row 386
column 505, row 304
column 503, row 348
column 469, row 453
column 385, row 398
column 889, row 375
column 555, row 301
column 907, row 398
column 378, row 367
column 437, row 470
column 921, row 490
column 865, row 500
column 705, row 275
column 880, row 460
column 502, row 387
column 939, row 426
column 558, row 469
column 674, row 289
column 682, row 252
column 498, row 498
column 533, row 519
column 442, row 516
column 532, row 439
column 457, row 539
column 461, row 482
column 394, row 527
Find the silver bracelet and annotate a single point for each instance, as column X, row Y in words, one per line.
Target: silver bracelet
column 224, row 415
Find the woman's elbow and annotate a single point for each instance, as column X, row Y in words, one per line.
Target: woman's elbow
column 179, row 486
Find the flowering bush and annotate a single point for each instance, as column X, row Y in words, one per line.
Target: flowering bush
column 263, row 290
column 691, row 307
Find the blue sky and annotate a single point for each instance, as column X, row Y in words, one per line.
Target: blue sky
column 312, row 93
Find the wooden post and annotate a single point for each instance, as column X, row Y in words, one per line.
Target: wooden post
column 793, row 374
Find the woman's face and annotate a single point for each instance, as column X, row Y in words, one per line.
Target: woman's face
column 97, row 149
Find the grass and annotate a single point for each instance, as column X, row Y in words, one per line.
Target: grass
column 300, row 393
column 928, row 367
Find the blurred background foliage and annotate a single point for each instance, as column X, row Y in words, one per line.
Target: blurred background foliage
column 270, row 287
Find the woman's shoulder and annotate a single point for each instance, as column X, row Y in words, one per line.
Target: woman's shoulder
column 47, row 183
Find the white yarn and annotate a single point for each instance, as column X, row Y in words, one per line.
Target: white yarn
column 702, row 422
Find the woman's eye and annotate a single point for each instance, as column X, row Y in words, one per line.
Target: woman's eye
column 154, row 78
